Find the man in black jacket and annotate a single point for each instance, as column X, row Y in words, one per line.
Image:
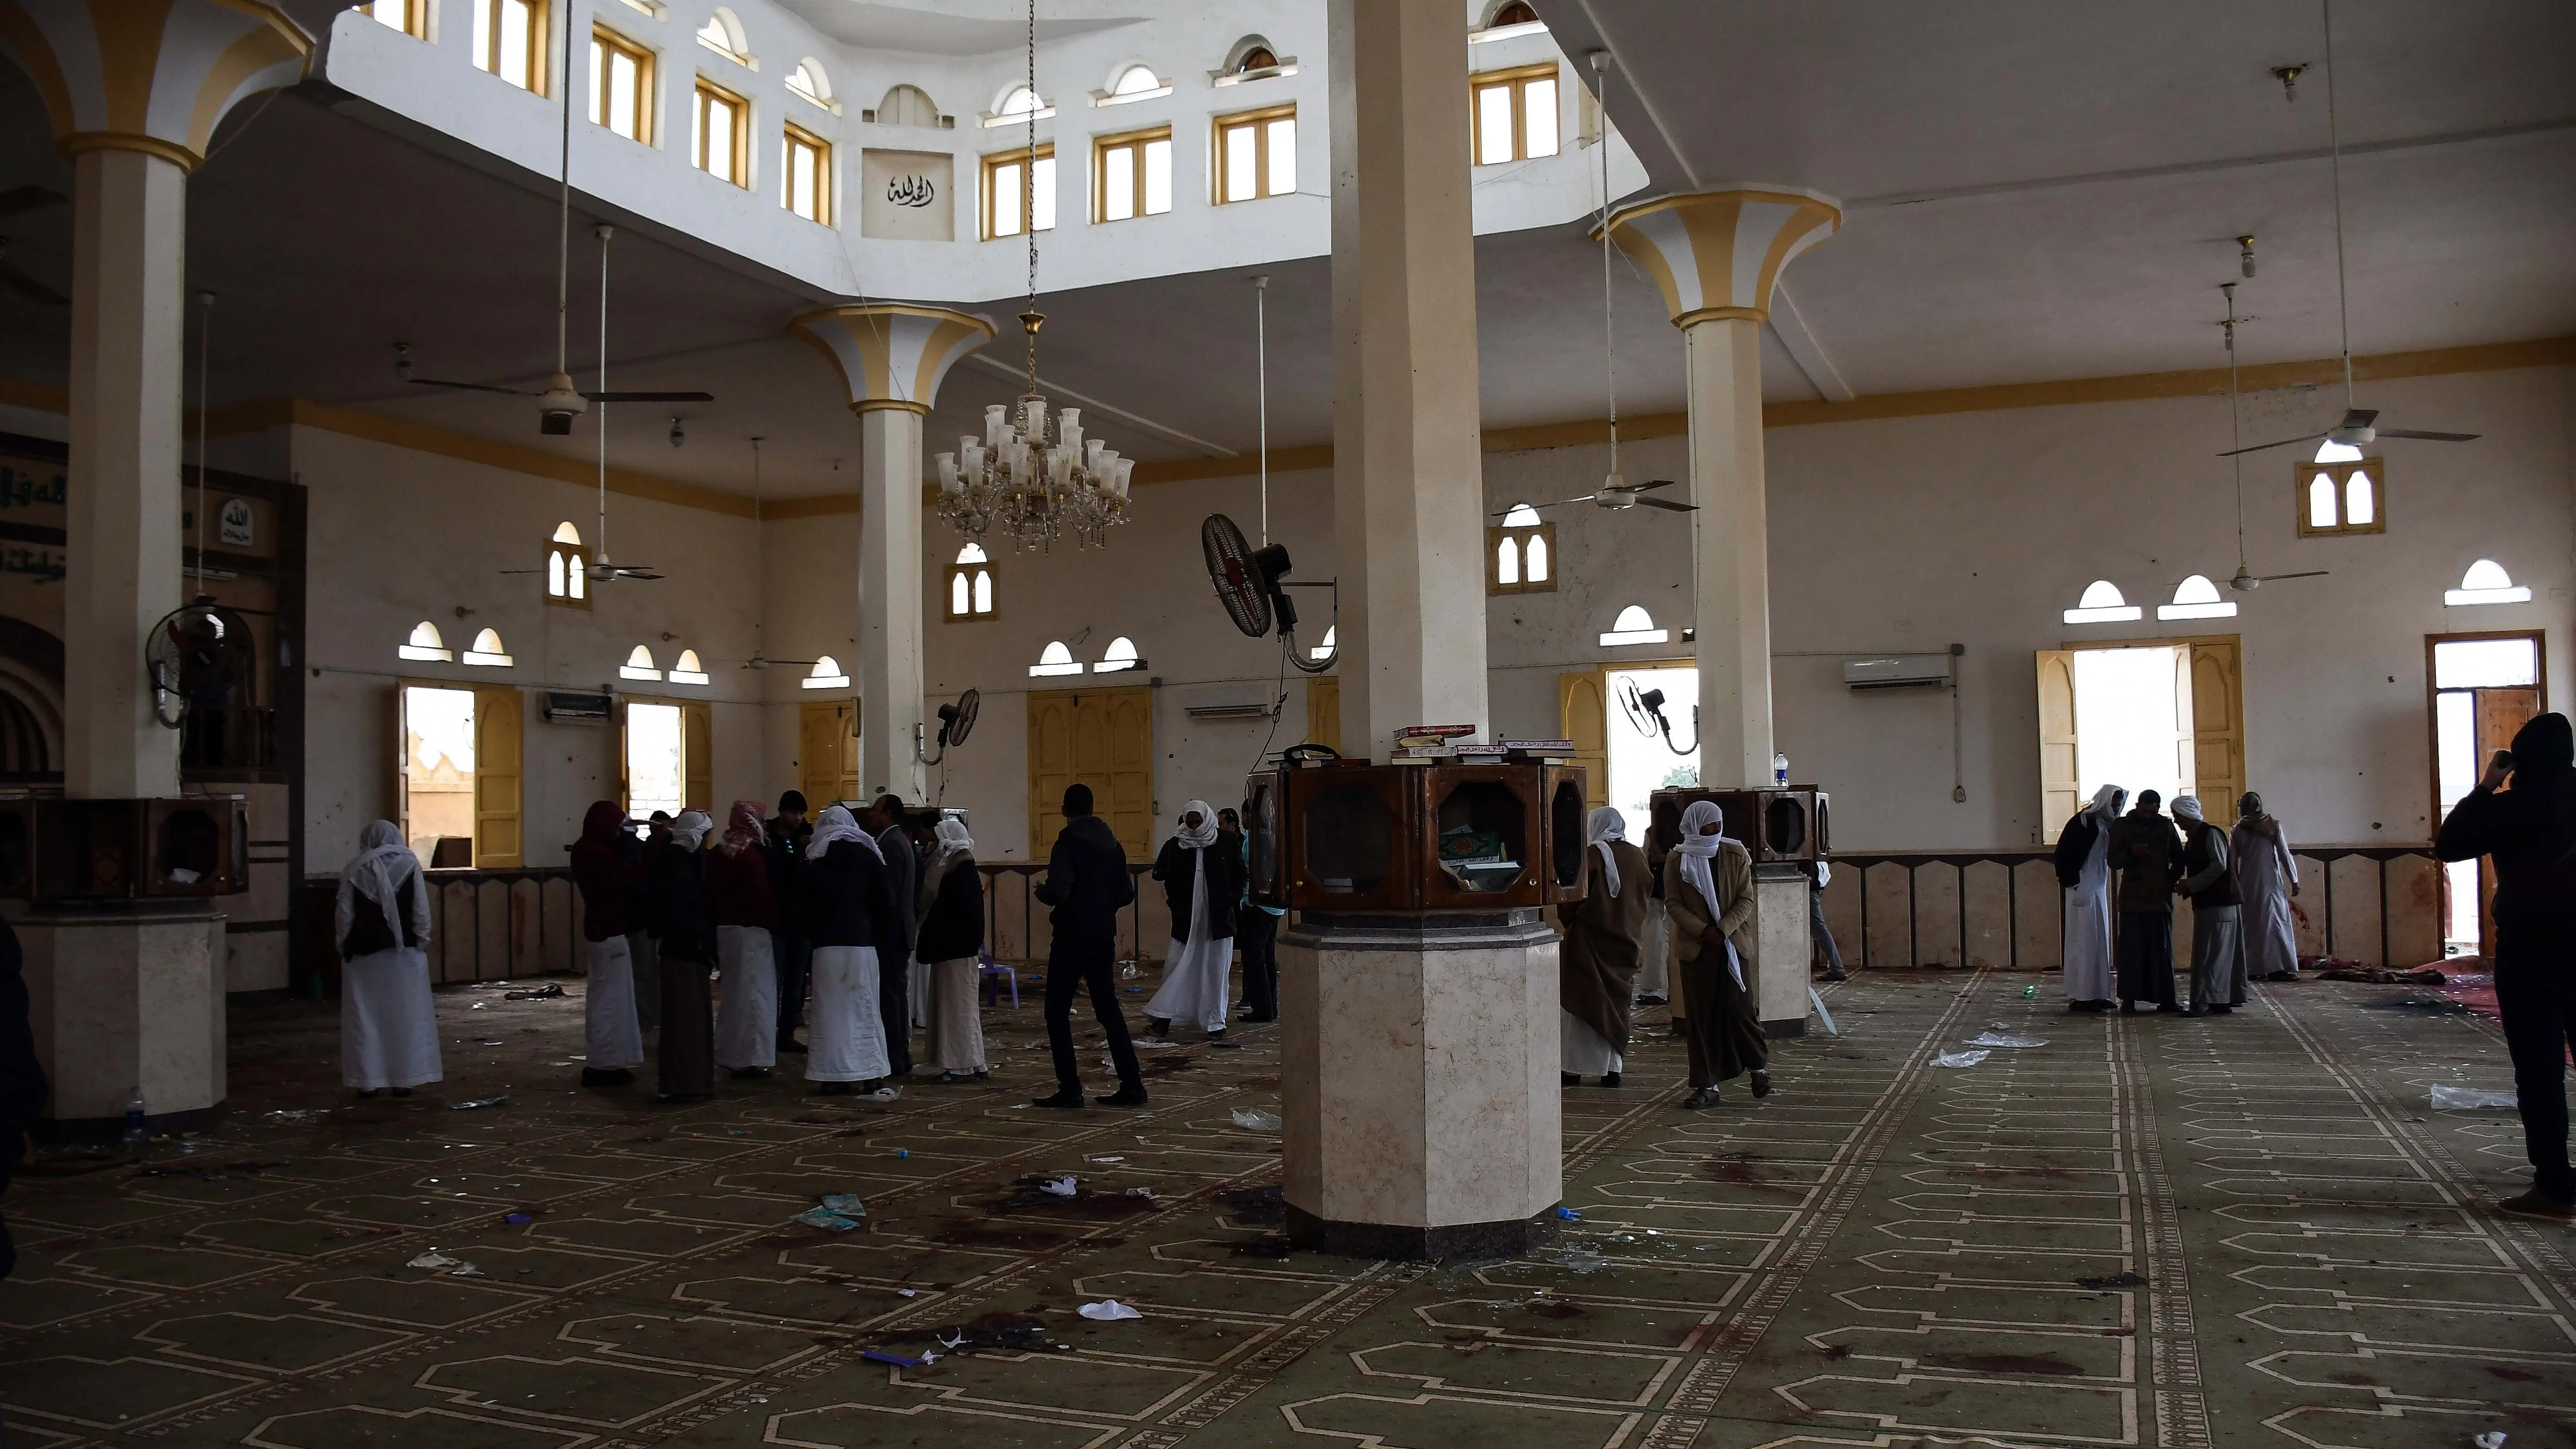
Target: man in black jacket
column 22, row 1077
column 789, row 946
column 2530, row 831
column 892, row 826
column 1087, row 884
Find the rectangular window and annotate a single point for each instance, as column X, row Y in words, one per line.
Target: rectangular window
column 1256, row 154
column 970, row 591
column 2339, row 498
column 807, row 176
column 1007, row 185
column 1132, row 174
column 621, row 85
column 411, row 17
column 510, row 41
column 719, row 134
column 1515, row 114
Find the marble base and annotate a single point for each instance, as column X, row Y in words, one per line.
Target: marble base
column 1422, row 1114
column 1510, row 1238
column 1782, row 960
column 127, row 1001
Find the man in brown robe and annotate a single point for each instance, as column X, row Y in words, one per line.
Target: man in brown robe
column 1708, row 888
column 1598, row 961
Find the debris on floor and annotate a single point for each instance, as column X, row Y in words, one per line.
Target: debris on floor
column 1256, row 1120
column 878, row 1355
column 1108, row 1310
column 547, row 992
column 2448, row 1098
column 2419, row 976
column 474, row 1103
column 1997, row 1034
column 847, row 1204
column 826, row 1219
column 1959, row 1059
column 2123, row 1279
column 1064, row 1186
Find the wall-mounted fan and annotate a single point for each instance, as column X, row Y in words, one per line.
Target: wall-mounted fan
column 1645, row 711
column 1252, row 584
column 956, row 721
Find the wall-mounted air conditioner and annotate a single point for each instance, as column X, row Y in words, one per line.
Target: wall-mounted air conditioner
column 1898, row 671
column 565, row 707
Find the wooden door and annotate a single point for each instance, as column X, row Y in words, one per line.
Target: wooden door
column 2217, row 714
column 2060, row 790
column 698, row 756
column 1127, row 732
column 1324, row 711
column 1583, row 716
column 827, row 753
column 499, row 831
column 1103, row 738
column 1050, row 764
column 2500, row 714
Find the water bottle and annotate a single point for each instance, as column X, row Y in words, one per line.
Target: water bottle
column 134, row 1134
column 1779, row 769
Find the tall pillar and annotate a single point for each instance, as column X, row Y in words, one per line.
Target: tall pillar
column 1423, row 1117
column 129, row 1002
column 893, row 356
column 1716, row 255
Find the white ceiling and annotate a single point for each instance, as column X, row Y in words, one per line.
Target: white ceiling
column 2047, row 192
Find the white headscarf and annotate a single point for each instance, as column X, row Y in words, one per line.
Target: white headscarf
column 380, row 871
column 953, row 845
column 953, row 839
column 2108, row 800
column 1600, row 828
column 835, row 824
column 689, row 831
column 2187, row 807
column 1698, row 850
column 1205, row 835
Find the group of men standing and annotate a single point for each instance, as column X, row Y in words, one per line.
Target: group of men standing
column 2121, row 872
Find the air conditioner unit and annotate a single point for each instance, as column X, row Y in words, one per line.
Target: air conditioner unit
column 1898, row 671
column 580, row 709
column 1250, row 710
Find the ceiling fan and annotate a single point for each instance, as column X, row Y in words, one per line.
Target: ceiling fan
column 1615, row 493
column 2244, row 580
column 2360, row 426
column 559, row 402
column 15, row 202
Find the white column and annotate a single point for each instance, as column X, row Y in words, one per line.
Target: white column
column 1408, row 461
column 889, row 677
column 128, row 322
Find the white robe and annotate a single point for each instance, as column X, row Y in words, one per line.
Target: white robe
column 388, row 1028
column 845, row 1041
column 1195, row 972
column 2265, row 871
column 747, row 1017
column 2089, row 969
column 1585, row 1052
column 613, row 1038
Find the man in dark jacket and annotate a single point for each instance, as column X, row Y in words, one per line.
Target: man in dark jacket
column 789, row 947
column 642, row 942
column 2147, row 852
column 22, row 1077
column 892, row 826
column 2529, row 829
column 1087, row 885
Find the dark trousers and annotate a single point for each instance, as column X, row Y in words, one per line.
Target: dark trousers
column 1256, row 934
column 1072, row 966
column 1824, row 934
column 794, row 957
column 685, row 1052
column 2538, row 1005
column 2144, row 950
column 894, row 1002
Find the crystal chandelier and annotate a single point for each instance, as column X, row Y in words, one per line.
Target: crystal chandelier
column 1016, row 479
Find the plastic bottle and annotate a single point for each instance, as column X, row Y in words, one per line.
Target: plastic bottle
column 134, row 1133
column 1780, row 769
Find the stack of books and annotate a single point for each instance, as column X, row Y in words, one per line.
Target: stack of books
column 1544, row 752
column 1429, row 742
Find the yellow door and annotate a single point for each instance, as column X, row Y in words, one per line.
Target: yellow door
column 498, row 831
column 827, row 754
column 1324, row 712
column 1583, row 713
column 1128, row 734
column 2217, row 728
column 698, row 756
column 2060, row 792
column 1103, row 738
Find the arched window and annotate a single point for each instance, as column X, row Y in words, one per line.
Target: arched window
column 1635, row 626
column 906, row 105
column 1016, row 106
column 567, row 569
column 1507, row 19
column 826, row 674
column 639, row 665
column 2196, row 598
column 809, row 81
column 1253, row 58
column 1121, row 656
column 1056, row 658
column 970, row 585
column 425, row 644
column 2102, row 604
column 1521, row 554
column 2342, row 494
column 686, row 669
column 489, row 651
column 723, row 34
column 2486, row 582
column 1325, row 649
column 1132, row 83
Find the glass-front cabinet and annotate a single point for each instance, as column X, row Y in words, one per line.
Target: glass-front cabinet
column 1354, row 838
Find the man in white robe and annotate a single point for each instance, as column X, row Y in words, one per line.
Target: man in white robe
column 388, row 1027
column 2266, row 877
column 1201, row 884
column 2084, row 869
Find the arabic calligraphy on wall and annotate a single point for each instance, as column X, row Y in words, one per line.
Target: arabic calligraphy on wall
column 915, row 190
column 908, row 195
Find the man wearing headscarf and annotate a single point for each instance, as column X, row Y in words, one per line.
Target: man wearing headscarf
column 687, row 932
column 611, row 887
column 1708, row 888
column 1256, row 931
column 894, row 982
column 2147, row 852
column 848, row 908
column 2266, row 877
column 1086, row 885
column 788, row 831
column 2084, row 870
column 2522, row 815
column 746, row 917
column 952, row 941
column 642, row 944
column 1201, row 884
column 2217, row 928
column 1596, row 964
column 388, row 1028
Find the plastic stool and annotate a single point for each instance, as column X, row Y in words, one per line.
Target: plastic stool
column 991, row 974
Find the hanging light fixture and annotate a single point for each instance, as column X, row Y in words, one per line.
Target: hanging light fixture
column 1031, row 478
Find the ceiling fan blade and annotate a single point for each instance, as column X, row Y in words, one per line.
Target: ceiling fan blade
column 1658, row 483
column 1534, row 507
column 636, row 397
column 2423, row 437
column 2259, row 447
column 29, row 288
column 519, row 571
column 2310, row 574
column 472, row 386
column 19, row 199
column 1668, row 505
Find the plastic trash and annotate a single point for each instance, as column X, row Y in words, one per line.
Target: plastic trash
column 1108, row 1310
column 1569, row 1215
column 2491, row 1439
column 1996, row 1036
column 1107, row 1158
column 517, row 1219
column 903, row 1152
column 1816, row 999
column 433, row 1260
column 847, row 1204
column 1064, row 1186
column 2029, row 992
column 825, row 1219
column 547, row 992
column 878, row 1355
column 1959, row 1059
column 1256, row 1120
column 1146, row 1193
column 2448, row 1098
column 475, row 1103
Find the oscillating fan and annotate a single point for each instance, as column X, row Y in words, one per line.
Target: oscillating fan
column 1635, row 708
column 956, row 721
column 1243, row 576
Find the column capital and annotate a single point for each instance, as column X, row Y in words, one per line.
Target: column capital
column 893, row 355
column 1719, row 253
column 149, row 75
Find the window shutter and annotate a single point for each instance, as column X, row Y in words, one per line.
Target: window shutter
column 498, row 824
column 2060, row 793
column 2217, row 729
column 1583, row 714
column 697, row 756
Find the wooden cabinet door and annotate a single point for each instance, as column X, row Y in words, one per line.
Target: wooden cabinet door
column 2060, row 793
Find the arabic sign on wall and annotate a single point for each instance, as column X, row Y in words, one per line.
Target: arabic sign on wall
column 907, row 195
column 33, row 487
